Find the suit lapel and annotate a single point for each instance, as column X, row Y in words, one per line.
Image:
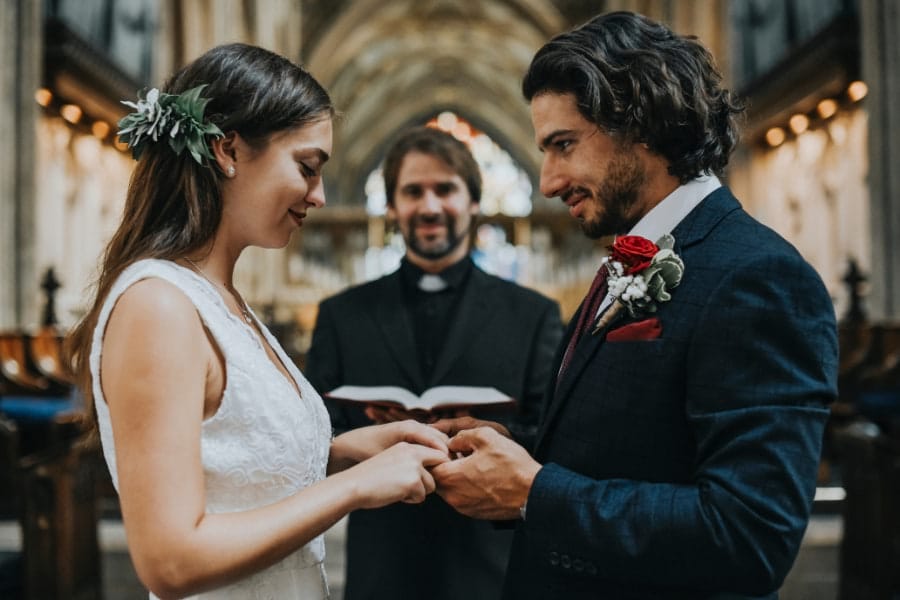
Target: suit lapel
column 692, row 230
column 587, row 347
column 704, row 218
column 397, row 329
column 474, row 308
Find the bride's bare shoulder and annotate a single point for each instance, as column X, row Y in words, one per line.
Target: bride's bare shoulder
column 153, row 308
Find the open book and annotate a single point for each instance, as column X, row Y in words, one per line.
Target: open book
column 437, row 398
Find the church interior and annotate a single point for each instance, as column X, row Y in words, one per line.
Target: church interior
column 815, row 163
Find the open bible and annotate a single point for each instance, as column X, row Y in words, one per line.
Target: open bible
column 443, row 397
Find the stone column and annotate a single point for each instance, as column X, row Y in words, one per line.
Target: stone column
column 20, row 69
column 880, row 32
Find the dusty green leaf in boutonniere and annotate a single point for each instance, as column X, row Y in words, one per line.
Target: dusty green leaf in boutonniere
column 640, row 276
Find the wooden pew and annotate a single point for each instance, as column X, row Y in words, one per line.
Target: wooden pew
column 16, row 376
column 9, row 444
column 61, row 552
column 867, row 443
column 45, row 351
column 870, row 546
column 47, row 470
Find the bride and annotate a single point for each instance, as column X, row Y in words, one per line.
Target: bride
column 217, row 444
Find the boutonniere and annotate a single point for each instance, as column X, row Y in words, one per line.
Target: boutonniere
column 640, row 275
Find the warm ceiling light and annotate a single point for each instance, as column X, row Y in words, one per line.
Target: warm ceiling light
column 826, row 108
column 775, row 136
column 100, row 129
column 857, row 90
column 71, row 113
column 447, row 121
column 799, row 123
column 461, row 131
column 120, row 145
column 43, row 97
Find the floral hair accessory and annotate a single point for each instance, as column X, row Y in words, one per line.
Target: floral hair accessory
column 177, row 117
column 640, row 275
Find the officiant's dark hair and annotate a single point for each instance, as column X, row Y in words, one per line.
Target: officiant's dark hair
column 433, row 142
column 173, row 206
column 640, row 82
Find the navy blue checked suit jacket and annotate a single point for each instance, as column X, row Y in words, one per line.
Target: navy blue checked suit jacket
column 685, row 466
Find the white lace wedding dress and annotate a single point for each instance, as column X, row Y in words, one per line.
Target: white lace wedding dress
column 263, row 444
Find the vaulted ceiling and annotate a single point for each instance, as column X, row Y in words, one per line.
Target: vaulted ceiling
column 390, row 64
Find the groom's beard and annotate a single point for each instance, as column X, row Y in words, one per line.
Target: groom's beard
column 612, row 203
column 435, row 250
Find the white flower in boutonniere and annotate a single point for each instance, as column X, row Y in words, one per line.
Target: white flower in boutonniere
column 640, row 276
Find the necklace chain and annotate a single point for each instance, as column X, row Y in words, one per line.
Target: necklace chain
column 242, row 306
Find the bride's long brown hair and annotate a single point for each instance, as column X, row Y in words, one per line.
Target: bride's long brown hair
column 173, row 205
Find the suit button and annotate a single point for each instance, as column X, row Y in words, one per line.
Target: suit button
column 554, row 558
column 578, row 565
column 565, row 561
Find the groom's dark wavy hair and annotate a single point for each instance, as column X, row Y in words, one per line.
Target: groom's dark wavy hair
column 640, row 82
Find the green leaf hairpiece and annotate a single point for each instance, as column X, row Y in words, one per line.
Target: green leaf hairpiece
column 176, row 117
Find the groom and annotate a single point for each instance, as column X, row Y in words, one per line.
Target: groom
column 677, row 455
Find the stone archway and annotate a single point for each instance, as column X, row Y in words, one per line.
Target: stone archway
column 390, row 65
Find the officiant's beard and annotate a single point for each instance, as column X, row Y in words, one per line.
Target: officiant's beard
column 440, row 249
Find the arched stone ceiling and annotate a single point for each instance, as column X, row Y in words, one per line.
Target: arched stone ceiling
column 391, row 64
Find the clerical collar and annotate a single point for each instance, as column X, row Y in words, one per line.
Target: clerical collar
column 451, row 277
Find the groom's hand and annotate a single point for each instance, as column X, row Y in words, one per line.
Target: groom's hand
column 491, row 480
column 452, row 426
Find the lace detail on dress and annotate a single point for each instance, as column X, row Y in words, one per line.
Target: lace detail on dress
column 263, row 444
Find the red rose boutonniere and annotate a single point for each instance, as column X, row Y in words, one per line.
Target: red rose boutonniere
column 640, row 276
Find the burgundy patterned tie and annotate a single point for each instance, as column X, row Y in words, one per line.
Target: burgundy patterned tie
column 590, row 306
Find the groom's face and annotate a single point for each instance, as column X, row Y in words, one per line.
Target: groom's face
column 433, row 209
column 601, row 179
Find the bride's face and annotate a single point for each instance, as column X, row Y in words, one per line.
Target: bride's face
column 272, row 189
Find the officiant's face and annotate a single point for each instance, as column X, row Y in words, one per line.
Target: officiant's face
column 433, row 209
column 603, row 181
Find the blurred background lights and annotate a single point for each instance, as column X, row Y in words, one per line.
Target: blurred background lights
column 100, row 129
column 43, row 97
column 71, row 113
column 826, row 108
column 857, row 90
column 775, row 136
column 799, row 123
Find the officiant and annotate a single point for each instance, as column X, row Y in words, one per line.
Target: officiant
column 438, row 320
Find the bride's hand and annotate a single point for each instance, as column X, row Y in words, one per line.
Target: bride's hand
column 360, row 444
column 398, row 474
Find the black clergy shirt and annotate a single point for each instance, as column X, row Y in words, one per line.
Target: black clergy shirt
column 432, row 312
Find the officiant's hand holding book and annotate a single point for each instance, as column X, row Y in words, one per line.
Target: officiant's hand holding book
column 440, row 398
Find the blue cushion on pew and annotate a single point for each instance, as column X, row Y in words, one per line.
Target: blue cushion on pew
column 35, row 408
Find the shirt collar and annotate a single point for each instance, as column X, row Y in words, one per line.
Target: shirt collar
column 666, row 215
column 455, row 275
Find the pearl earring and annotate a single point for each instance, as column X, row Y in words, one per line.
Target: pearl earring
column 230, row 171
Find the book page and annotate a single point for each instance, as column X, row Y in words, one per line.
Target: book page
column 462, row 395
column 447, row 396
column 375, row 393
